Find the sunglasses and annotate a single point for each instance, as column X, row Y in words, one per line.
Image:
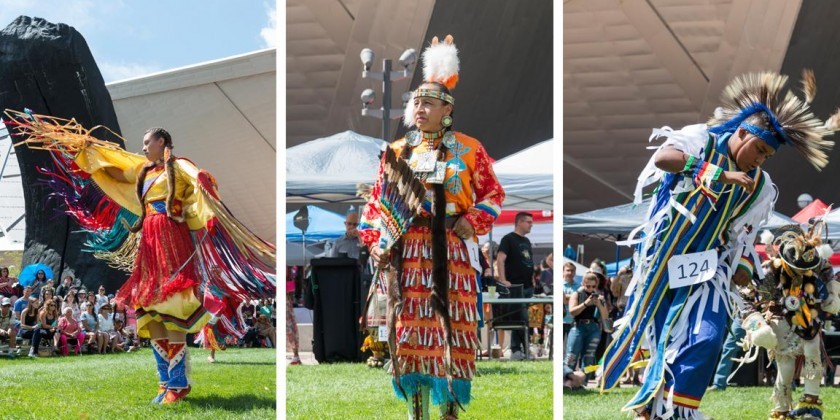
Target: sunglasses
column 350, row 224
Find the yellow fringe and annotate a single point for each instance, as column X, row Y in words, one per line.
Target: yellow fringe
column 43, row 132
column 123, row 257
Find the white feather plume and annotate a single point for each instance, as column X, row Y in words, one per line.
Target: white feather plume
column 440, row 61
column 767, row 237
column 825, row 251
column 408, row 114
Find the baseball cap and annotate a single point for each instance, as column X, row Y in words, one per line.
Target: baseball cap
column 6, row 302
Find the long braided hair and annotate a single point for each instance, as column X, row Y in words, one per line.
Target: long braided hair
column 157, row 133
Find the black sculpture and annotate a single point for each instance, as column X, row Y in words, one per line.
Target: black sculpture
column 49, row 69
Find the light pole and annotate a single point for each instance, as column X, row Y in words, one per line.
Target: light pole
column 803, row 200
column 387, row 75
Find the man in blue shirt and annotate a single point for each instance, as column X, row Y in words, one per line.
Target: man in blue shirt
column 21, row 303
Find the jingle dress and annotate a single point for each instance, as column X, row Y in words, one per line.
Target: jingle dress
column 472, row 191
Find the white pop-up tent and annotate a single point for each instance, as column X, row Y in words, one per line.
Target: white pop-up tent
column 527, row 177
column 328, row 169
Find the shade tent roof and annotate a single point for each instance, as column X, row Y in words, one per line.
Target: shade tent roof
column 328, row 169
column 832, row 220
column 527, row 177
column 609, row 222
column 816, row 208
column 323, row 224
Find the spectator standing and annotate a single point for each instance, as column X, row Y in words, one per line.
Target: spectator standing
column 618, row 287
column 600, row 269
column 547, row 276
column 570, row 286
column 516, row 267
column 586, row 306
column 350, row 243
column 489, row 277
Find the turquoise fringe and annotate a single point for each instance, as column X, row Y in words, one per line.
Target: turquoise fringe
column 440, row 392
column 110, row 239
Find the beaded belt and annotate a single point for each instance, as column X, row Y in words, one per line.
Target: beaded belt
column 159, row 206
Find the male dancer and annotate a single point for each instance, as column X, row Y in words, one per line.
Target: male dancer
column 712, row 197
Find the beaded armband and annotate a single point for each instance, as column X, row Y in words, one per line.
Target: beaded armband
column 691, row 165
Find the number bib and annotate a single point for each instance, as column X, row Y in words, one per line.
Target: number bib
column 685, row 270
column 383, row 334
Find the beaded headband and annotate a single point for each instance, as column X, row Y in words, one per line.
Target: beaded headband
column 432, row 93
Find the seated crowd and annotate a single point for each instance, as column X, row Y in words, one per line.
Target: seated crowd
column 71, row 319
column 64, row 317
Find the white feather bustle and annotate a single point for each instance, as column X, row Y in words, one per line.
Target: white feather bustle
column 767, row 237
column 825, row 251
column 408, row 114
column 440, row 62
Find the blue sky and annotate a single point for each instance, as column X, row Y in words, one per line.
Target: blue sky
column 130, row 38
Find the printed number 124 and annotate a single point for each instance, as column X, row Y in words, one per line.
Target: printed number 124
column 694, row 269
column 688, row 269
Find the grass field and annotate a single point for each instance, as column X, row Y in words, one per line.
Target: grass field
column 241, row 384
column 734, row 403
column 505, row 390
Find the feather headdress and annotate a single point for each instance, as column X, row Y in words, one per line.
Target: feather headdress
column 440, row 65
column 787, row 119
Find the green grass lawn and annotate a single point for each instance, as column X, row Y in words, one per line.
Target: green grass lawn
column 505, row 390
column 734, row 403
column 241, row 384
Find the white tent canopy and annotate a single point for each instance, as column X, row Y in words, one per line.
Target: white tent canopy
column 328, row 169
column 527, row 177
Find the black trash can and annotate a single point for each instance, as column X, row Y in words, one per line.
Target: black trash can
column 336, row 291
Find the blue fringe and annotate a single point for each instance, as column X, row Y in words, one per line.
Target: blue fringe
column 440, row 391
